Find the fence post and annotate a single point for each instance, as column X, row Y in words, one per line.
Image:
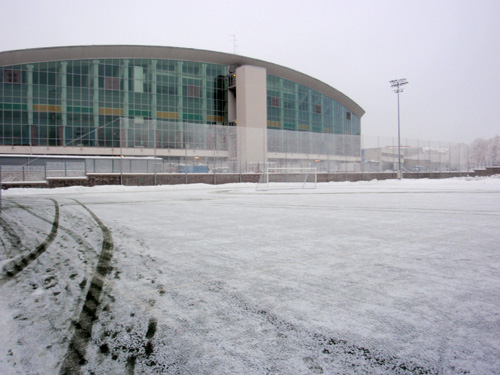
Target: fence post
column 459, row 163
column 439, row 153
column 449, row 157
column 430, row 160
column 466, row 160
column 418, row 155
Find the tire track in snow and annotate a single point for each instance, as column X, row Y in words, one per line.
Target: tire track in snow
column 78, row 239
column 75, row 356
column 331, row 349
column 148, row 348
column 86, row 247
column 16, row 266
column 13, row 237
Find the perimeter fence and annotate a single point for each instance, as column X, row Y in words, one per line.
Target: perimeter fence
column 154, row 147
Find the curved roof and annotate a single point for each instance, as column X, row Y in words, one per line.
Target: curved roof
column 174, row 53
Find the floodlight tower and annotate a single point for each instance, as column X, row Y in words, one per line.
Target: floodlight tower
column 397, row 85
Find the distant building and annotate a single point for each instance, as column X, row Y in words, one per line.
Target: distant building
column 177, row 103
column 422, row 158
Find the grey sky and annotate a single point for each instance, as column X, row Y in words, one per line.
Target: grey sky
column 448, row 50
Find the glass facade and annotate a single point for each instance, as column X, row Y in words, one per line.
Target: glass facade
column 292, row 106
column 83, row 102
column 106, row 102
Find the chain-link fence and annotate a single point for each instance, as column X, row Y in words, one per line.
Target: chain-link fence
column 153, row 146
column 380, row 154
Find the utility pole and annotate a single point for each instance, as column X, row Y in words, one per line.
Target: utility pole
column 397, row 85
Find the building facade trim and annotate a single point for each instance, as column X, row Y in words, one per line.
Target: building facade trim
column 36, row 55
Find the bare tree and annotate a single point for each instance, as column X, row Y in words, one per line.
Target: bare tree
column 485, row 152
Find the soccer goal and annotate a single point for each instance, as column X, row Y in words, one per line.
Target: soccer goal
column 287, row 178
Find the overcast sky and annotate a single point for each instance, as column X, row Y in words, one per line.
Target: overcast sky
column 448, row 50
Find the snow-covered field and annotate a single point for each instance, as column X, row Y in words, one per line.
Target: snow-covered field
column 380, row 277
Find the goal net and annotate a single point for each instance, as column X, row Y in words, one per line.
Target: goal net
column 287, row 178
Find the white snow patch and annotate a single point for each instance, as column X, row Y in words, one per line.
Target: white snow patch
column 226, row 279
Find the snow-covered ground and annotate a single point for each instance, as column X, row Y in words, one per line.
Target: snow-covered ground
column 380, row 277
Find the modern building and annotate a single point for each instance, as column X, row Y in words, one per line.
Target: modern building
column 179, row 104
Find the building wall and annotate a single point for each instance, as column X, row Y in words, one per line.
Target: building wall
column 292, row 106
column 82, row 101
column 87, row 101
column 251, row 114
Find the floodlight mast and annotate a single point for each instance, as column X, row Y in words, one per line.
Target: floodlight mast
column 398, row 84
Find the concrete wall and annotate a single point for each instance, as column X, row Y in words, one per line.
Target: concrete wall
column 251, row 114
column 227, row 178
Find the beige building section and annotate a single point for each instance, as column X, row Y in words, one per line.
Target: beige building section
column 251, row 114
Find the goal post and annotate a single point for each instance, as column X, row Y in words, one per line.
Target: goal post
column 287, row 178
